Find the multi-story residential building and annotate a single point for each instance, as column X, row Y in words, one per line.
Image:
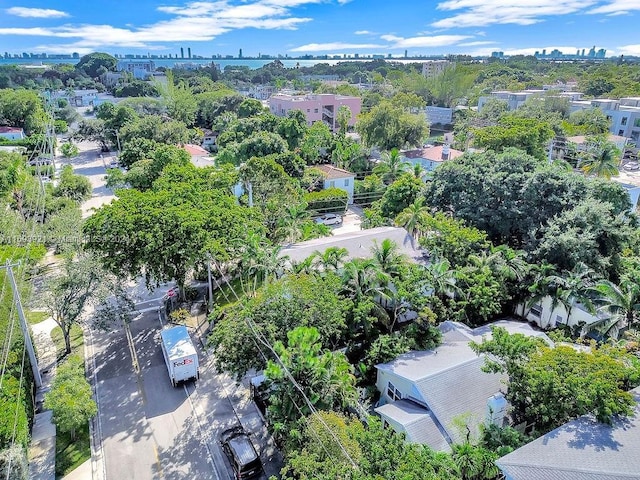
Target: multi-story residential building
column 140, row 69
column 259, row 92
column 433, row 68
column 624, row 113
column 441, row 115
column 316, row 108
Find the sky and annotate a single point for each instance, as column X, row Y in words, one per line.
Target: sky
column 318, row 27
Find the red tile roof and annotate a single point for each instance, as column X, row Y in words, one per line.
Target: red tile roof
column 10, row 130
column 432, row 153
column 195, row 150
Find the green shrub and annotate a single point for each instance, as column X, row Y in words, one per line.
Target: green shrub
column 329, row 200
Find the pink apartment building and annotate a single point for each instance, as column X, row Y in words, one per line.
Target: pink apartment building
column 317, row 108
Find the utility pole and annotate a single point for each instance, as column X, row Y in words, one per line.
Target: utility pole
column 23, row 326
column 210, row 302
column 250, row 188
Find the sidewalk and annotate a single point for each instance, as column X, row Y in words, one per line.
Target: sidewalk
column 42, row 451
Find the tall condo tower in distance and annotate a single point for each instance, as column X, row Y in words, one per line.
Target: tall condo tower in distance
column 240, row 54
column 181, row 52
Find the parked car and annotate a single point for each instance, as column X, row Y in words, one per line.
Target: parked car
column 241, row 453
column 329, row 219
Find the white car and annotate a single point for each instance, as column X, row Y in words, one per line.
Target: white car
column 329, row 219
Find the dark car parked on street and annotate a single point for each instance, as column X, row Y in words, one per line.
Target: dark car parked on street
column 241, row 453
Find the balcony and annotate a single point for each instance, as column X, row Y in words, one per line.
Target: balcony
column 327, row 112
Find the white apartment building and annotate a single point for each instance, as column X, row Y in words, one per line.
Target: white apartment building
column 433, row 68
column 624, row 113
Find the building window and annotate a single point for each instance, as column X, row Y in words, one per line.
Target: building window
column 393, row 393
column 332, row 184
column 621, row 133
column 308, row 110
column 346, row 182
column 536, row 310
column 624, row 121
column 315, row 110
column 559, row 319
column 637, row 122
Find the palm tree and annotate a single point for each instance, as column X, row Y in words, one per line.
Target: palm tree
column 621, row 302
column 290, row 226
column 509, row 263
column 331, row 260
column 571, row 287
column 601, row 158
column 474, row 463
column 441, row 279
column 411, row 218
column 15, row 179
column 363, row 278
column 391, row 166
column 305, row 266
column 419, row 171
column 388, row 258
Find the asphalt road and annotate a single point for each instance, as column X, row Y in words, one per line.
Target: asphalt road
column 151, row 430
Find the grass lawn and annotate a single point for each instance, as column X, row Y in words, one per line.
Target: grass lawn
column 70, row 454
column 77, row 341
column 224, row 296
column 35, row 317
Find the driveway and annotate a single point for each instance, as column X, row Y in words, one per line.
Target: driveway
column 350, row 221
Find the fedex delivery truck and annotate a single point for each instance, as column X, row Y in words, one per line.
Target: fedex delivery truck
column 179, row 354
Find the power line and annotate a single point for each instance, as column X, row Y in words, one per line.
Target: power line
column 264, row 357
column 288, row 374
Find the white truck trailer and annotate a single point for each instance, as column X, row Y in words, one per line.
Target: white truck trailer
column 179, row 354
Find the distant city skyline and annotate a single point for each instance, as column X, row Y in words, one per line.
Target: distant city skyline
column 319, row 27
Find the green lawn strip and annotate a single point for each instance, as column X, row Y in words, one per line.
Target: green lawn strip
column 77, row 341
column 70, row 454
column 224, row 296
column 34, row 317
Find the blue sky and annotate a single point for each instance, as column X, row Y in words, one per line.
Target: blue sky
column 298, row 27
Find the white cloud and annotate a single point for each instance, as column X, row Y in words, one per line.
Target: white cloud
column 478, row 13
column 363, row 32
column 476, row 44
column 633, row 50
column 195, row 21
column 36, row 12
column 617, row 7
column 336, row 46
column 424, row 41
column 393, row 42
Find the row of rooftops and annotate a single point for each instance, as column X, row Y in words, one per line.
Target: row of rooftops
column 290, row 97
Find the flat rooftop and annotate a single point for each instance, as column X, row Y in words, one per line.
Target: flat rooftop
column 358, row 244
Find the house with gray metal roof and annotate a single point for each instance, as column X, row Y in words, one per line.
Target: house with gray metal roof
column 426, row 394
column 582, row 449
column 358, row 244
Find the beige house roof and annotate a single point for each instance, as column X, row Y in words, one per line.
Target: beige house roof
column 580, row 139
column 331, row 173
